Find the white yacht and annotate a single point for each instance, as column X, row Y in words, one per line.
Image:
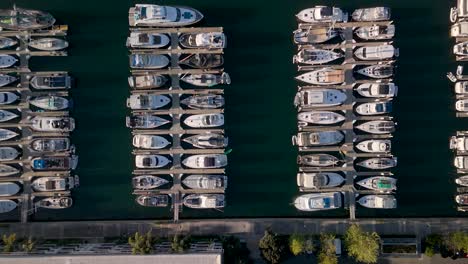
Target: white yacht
column 204, row 201
column 7, row 61
column 382, row 52
column 316, row 56
column 148, row 61
column 314, row 35
column 320, row 117
column 377, row 90
column 207, row 140
column 462, row 105
column 51, row 82
column 49, row 44
column 460, row 12
column 313, row 139
column 148, row 15
column 7, row 42
column 9, row 188
column 147, row 40
column 53, row 124
column 6, row 134
column 375, row 146
column 372, row 14
column 320, row 14
column 201, row 101
column 147, row 81
column 151, row 161
column 378, row 201
column 320, row 180
column 55, row 203
column 319, row 98
column 50, row 102
column 378, row 163
column 7, row 206
column 318, row 160
column 150, row 141
column 153, row 200
column 8, row 170
column 51, row 144
column 461, row 87
column 6, row 79
column 461, row 49
column 148, row 182
column 205, row 161
column 147, row 101
column 325, row 76
column 319, row 201
column 374, row 108
column 145, row 121
column 8, row 153
column 463, row 181
column 377, row 127
column 50, row 184
column 459, row 143
column 205, row 120
column 206, row 182
column 376, row 32
column 459, row 29
column 377, row 71
column 208, row 40
column 461, row 162
column 6, row 115
column 380, row 184
column 462, row 199
column 8, row 98
column 206, row 79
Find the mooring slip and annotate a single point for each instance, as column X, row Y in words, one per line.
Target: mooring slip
column 459, row 144
column 177, row 107
column 36, row 155
column 345, row 71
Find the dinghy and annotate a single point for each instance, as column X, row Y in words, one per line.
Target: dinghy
column 207, row 140
column 313, row 139
column 148, row 15
column 204, row 201
column 319, row 98
column 148, row 61
column 7, row 42
column 140, row 40
column 205, row 120
column 7, row 206
column 321, row 180
column 205, row 161
column 325, row 76
column 203, row 61
column 376, row 32
column 150, row 141
column 321, row 14
column 7, row 115
column 199, row 101
column 51, row 144
column 151, row 161
column 378, row 163
column 378, row 71
column 317, row 160
column 208, row 40
column 316, row 56
column 375, row 146
column 379, row 183
column 377, row 127
column 8, row 153
column 371, row 14
column 378, row 201
column 49, row 44
column 148, row 182
column 7, row 61
column 55, row 203
column 147, row 81
column 53, row 124
column 377, row 108
column 6, row 79
column 205, row 182
column 207, row 79
column 6, row 134
column 50, row 102
column 320, row 117
column 8, row 170
column 153, row 200
column 319, row 201
column 147, row 101
column 9, row 188
column 145, row 121
column 377, row 90
column 8, row 98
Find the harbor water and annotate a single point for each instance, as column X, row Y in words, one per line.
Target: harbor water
column 260, row 116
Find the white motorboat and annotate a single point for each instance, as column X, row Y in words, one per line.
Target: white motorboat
column 374, row 108
column 50, row 184
column 150, row 141
column 200, row 101
column 50, row 102
column 49, row 44
column 206, row 182
column 20, row 19
column 8, row 98
column 206, row 79
column 6, row 134
column 318, row 160
column 151, row 161
column 460, row 12
column 53, row 124
column 461, row 49
column 462, row 199
column 9, row 188
column 320, row 14
column 320, row 117
column 147, row 101
column 6, row 79
column 55, row 203
column 51, row 144
column 459, row 29
column 153, row 200
column 461, row 162
column 204, row 201
column 54, row 163
column 377, row 90
column 145, row 121
column 382, row 52
column 7, row 61
column 205, row 161
column 148, row 182
column 377, row 71
column 461, row 87
column 8, row 153
column 7, row 42
column 204, row 40
column 51, row 82
column 319, row 98
column 6, row 115
column 376, row 32
column 207, row 140
column 148, row 61
column 377, row 127
column 379, row 183
column 319, row 201
column 8, row 170
column 378, row 201
column 147, row 15
column 314, row 35
column 379, row 163
column 147, row 81
column 147, row 40
column 312, row 139
column 7, row 206
column 459, row 143
column 463, row 181
column 205, row 120
column 461, row 105
column 375, row 146
column 320, row 180
column 316, row 56
column 325, row 76
column 372, row 14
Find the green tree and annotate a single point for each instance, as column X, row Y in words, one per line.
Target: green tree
column 297, row 244
column 272, row 247
column 457, row 241
column 235, row 252
column 28, row 245
column 9, row 242
column 362, row 246
column 432, row 244
column 141, row 244
column 327, row 254
column 180, row 244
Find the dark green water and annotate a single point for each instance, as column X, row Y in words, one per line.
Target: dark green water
column 259, row 112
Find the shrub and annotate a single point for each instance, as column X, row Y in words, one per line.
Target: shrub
column 9, row 242
column 180, row 244
column 141, row 244
column 272, row 247
column 327, row 254
column 362, row 246
column 297, row 244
